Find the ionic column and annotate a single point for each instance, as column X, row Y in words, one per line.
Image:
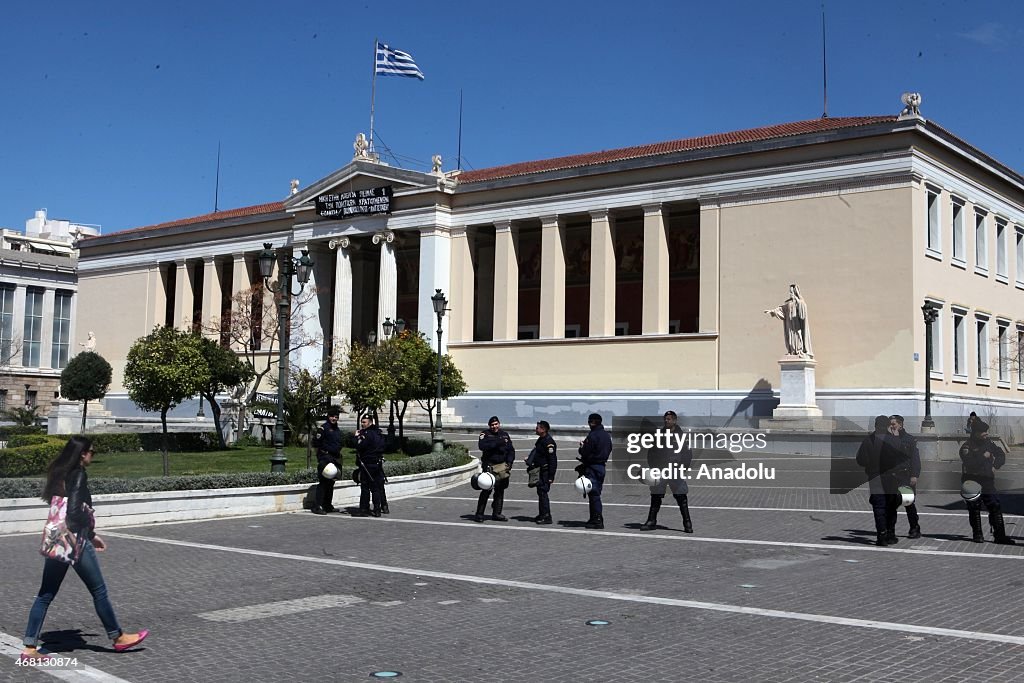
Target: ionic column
column 184, row 296
column 552, row 278
column 46, row 334
column 387, row 291
column 435, row 273
column 462, row 297
column 655, row 297
column 709, row 278
column 341, row 325
column 241, row 280
column 16, row 355
column 157, row 286
column 306, row 326
column 212, row 293
column 506, row 281
column 602, row 274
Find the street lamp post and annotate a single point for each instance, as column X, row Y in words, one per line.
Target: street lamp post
column 440, row 306
column 931, row 314
column 289, row 266
column 392, row 330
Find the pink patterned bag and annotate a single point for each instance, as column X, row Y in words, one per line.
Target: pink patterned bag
column 59, row 542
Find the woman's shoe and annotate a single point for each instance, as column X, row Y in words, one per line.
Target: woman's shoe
column 34, row 657
column 132, row 642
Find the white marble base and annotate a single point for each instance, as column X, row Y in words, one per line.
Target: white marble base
column 797, row 391
column 66, row 416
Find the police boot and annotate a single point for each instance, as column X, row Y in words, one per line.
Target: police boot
column 975, row 517
column 890, row 536
column 481, row 505
column 652, row 514
column 384, row 502
column 882, row 540
column 596, row 523
column 499, row 502
column 684, row 509
column 999, row 529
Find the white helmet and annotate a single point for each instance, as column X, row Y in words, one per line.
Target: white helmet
column 970, row 490
column 484, row 481
column 906, row 495
column 584, row 485
column 330, row 471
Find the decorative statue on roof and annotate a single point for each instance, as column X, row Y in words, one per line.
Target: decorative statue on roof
column 361, row 146
column 796, row 332
column 295, row 186
column 436, row 160
column 911, row 105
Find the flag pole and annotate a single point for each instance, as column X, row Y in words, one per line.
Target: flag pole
column 459, row 154
column 373, row 92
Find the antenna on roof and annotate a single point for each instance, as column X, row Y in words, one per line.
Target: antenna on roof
column 824, row 67
column 216, row 186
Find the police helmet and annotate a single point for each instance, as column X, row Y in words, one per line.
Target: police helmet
column 584, row 485
column 330, row 471
column 483, row 481
column 906, row 495
column 970, row 490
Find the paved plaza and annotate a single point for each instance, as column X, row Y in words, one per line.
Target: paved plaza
column 780, row 582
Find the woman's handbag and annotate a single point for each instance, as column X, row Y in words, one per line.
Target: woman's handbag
column 501, row 470
column 59, row 542
column 534, row 474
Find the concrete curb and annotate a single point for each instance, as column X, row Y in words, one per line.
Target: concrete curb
column 19, row 515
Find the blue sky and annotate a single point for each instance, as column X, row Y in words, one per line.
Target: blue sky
column 112, row 112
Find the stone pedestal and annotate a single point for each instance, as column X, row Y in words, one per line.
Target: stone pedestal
column 797, row 391
column 66, row 416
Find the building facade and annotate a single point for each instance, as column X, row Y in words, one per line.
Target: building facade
column 635, row 280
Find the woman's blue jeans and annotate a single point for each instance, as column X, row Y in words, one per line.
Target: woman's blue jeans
column 88, row 569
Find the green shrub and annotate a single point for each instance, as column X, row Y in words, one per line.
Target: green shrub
column 29, row 460
column 31, row 488
column 177, row 442
column 19, row 440
column 115, row 443
column 10, row 430
column 414, row 446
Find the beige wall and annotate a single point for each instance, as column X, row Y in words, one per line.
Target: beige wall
column 117, row 307
column 659, row 363
column 850, row 254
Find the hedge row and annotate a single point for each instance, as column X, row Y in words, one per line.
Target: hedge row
column 177, row 442
column 455, row 454
column 30, row 458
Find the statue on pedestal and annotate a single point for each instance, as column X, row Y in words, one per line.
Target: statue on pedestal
column 793, row 313
column 90, row 343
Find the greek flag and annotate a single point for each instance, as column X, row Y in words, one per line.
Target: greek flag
column 396, row 63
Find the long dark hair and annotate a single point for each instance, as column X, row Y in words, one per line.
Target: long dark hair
column 69, row 459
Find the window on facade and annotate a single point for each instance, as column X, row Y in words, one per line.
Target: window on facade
column 31, row 399
column 980, row 241
column 1004, row 352
column 1020, row 255
column 7, row 349
column 959, row 345
column 3, row 399
column 981, row 338
column 1001, row 267
column 934, row 228
column 959, row 248
column 61, row 329
column 33, row 335
column 1020, row 356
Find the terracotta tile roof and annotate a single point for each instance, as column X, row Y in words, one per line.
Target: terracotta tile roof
column 257, row 210
column 686, row 144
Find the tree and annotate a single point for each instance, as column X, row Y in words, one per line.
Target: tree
column 366, row 380
column 407, row 353
column 452, row 384
column 85, row 378
column 304, row 401
column 227, row 372
column 163, row 369
column 251, row 330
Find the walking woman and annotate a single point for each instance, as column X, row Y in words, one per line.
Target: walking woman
column 66, row 477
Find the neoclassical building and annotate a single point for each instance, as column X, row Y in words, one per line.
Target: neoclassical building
column 634, row 280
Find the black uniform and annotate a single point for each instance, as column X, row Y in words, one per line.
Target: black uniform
column 370, row 460
column 910, row 469
column 660, row 458
column 880, row 456
column 495, row 448
column 979, row 460
column 594, row 452
column 328, row 450
column 544, row 455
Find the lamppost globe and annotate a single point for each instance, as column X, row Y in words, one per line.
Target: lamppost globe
column 301, row 268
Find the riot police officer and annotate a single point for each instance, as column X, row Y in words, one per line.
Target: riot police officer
column 910, row 472
column 880, row 456
column 980, row 458
column 544, row 457
column 328, row 451
column 661, row 458
column 594, row 451
column 370, row 461
column 496, row 456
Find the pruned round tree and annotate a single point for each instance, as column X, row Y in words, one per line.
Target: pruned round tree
column 85, row 378
column 163, row 369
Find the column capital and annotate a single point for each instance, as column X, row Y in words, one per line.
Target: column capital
column 551, row 219
column 209, row 259
column 435, row 231
column 459, row 231
column 340, row 243
column 600, row 214
column 503, row 226
column 385, row 236
column 653, row 209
